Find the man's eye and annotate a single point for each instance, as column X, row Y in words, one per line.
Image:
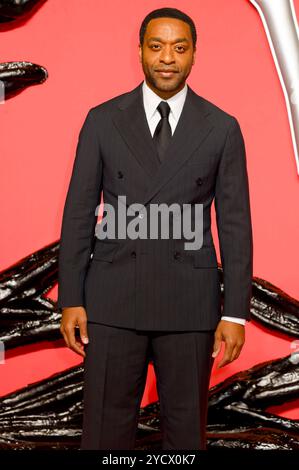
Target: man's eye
column 179, row 48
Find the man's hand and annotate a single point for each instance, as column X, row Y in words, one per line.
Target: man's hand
column 233, row 334
column 72, row 317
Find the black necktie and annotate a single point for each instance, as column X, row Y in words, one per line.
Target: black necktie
column 162, row 133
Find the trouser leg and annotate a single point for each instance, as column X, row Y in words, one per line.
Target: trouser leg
column 115, row 371
column 183, row 363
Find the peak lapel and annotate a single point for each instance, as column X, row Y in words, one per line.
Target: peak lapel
column 130, row 120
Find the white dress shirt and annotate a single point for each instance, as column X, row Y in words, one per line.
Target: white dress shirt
column 151, row 100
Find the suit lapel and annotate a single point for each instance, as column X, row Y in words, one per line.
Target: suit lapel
column 131, row 122
column 191, row 130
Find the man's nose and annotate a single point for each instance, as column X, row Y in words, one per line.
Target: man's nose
column 167, row 55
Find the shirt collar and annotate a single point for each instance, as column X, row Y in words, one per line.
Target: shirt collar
column 151, row 101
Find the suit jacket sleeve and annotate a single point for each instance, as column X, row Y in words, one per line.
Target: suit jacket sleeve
column 79, row 217
column 232, row 205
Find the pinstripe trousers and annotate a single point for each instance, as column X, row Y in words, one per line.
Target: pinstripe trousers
column 115, row 372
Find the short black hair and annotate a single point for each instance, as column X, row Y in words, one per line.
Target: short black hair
column 167, row 13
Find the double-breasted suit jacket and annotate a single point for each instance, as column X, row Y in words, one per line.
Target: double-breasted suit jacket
column 146, row 283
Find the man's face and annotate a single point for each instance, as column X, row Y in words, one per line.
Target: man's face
column 167, row 47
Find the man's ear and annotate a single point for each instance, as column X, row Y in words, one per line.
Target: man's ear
column 194, row 56
column 140, row 52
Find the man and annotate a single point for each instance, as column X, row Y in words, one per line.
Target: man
column 139, row 298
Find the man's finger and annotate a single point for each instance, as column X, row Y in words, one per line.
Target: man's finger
column 217, row 346
column 73, row 344
column 65, row 338
column 227, row 356
column 83, row 331
column 236, row 352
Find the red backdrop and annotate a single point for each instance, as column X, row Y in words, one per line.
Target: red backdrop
column 90, row 49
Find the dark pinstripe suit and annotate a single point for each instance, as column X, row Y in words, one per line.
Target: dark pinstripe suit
column 155, row 285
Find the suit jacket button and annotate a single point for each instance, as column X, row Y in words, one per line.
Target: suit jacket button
column 199, row 181
column 120, row 174
column 133, row 254
column 176, row 255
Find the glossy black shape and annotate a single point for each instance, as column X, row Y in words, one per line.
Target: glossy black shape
column 11, row 10
column 272, row 307
column 16, row 76
column 237, row 413
column 26, row 314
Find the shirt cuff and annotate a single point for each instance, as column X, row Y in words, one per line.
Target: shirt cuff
column 242, row 321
